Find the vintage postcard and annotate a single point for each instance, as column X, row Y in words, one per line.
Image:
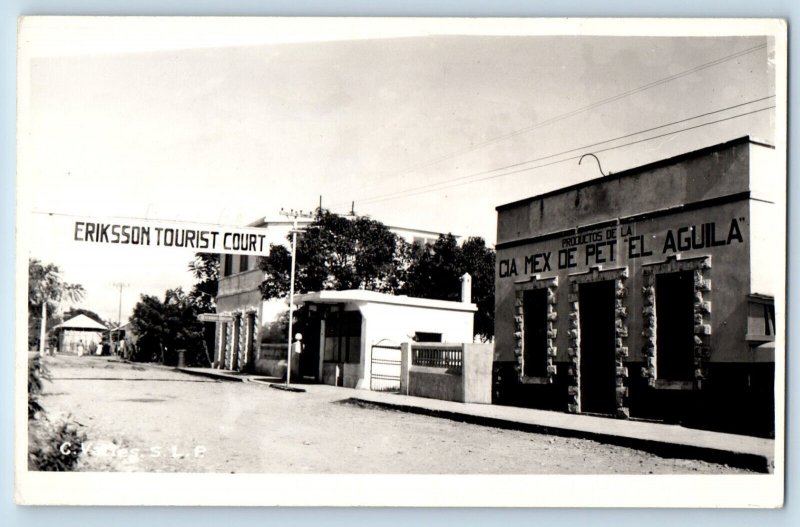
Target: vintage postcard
column 401, row 262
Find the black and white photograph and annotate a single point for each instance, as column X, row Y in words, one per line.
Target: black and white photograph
column 401, row 261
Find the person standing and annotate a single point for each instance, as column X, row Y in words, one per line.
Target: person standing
column 297, row 350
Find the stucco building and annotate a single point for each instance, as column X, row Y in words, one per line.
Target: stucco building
column 343, row 331
column 648, row 293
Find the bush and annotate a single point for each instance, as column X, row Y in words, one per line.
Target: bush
column 51, row 446
column 37, row 374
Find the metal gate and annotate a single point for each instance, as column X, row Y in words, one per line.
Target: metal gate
column 384, row 370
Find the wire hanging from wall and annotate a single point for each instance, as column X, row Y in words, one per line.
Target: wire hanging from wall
column 598, row 163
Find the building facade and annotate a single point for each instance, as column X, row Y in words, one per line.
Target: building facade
column 648, row 293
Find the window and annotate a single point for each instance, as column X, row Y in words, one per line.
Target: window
column 534, row 344
column 675, row 326
column 421, row 336
column 343, row 337
column 760, row 318
column 244, row 260
column 423, row 242
column 227, row 265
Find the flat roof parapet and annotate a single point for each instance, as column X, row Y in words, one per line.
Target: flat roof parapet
column 364, row 296
column 637, row 170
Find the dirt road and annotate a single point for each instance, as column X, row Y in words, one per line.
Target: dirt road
column 148, row 418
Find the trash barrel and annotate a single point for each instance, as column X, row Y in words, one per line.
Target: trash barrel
column 181, row 358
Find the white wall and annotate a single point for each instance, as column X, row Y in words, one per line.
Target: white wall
column 395, row 324
column 767, row 254
column 767, row 174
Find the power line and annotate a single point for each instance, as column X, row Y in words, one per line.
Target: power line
column 585, row 147
column 581, row 109
column 143, row 218
column 414, row 192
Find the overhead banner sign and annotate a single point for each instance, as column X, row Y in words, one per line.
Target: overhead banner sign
column 194, row 237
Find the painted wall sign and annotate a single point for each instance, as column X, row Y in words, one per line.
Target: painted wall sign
column 180, row 235
column 213, row 317
column 608, row 246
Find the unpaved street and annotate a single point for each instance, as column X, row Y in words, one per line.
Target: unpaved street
column 148, row 418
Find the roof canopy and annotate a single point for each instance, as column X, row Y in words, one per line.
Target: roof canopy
column 364, row 296
column 82, row 322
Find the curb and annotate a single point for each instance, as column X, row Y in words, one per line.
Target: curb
column 286, row 388
column 210, row 375
column 746, row 460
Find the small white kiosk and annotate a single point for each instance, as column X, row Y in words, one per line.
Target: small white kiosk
column 354, row 324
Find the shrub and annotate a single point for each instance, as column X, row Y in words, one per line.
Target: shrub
column 54, row 447
column 37, row 374
column 45, row 438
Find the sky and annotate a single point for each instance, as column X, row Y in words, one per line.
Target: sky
column 420, row 125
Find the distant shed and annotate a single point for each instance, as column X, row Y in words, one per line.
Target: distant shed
column 80, row 334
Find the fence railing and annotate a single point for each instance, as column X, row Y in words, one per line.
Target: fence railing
column 437, row 356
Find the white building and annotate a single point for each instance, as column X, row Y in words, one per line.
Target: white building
column 343, row 329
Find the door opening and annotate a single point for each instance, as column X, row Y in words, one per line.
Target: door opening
column 309, row 359
column 675, row 326
column 534, row 345
column 597, row 347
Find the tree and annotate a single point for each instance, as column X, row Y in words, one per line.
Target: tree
column 435, row 271
column 336, row 253
column 164, row 327
column 478, row 260
column 276, row 266
column 46, row 291
column 205, row 269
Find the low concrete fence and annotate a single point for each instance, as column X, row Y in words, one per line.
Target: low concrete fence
column 450, row 372
column 271, row 360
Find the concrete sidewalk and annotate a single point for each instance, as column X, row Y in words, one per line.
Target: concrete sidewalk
column 661, row 439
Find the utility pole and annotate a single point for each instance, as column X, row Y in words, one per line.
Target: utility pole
column 120, row 285
column 294, row 215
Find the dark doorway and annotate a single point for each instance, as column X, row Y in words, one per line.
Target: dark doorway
column 237, row 320
column 249, row 349
column 675, row 326
column 534, row 344
column 597, row 357
column 222, row 356
column 309, row 359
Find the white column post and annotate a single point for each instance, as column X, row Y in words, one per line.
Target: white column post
column 43, row 328
column 291, row 305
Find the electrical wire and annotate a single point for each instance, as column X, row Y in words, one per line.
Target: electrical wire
column 423, row 190
column 514, row 165
column 579, row 110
